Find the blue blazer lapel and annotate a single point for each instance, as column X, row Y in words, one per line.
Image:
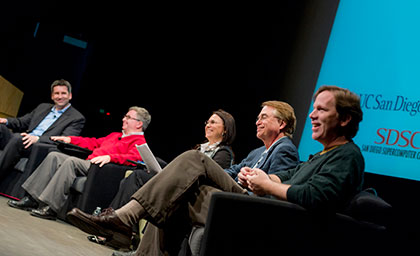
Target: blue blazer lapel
column 270, row 151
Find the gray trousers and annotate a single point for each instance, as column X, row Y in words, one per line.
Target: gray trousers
column 179, row 197
column 50, row 183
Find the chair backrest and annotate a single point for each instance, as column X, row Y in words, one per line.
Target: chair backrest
column 161, row 162
column 366, row 206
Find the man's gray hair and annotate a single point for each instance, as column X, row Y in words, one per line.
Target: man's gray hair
column 143, row 115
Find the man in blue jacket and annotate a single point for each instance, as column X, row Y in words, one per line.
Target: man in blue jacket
column 275, row 126
column 183, row 189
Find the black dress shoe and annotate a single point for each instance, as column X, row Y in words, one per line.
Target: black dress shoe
column 27, row 203
column 106, row 225
column 44, row 212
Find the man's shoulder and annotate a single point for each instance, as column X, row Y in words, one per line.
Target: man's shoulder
column 74, row 112
column 44, row 106
column 350, row 149
column 348, row 152
column 285, row 144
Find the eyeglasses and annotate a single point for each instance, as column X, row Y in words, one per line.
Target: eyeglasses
column 265, row 117
column 212, row 122
column 129, row 117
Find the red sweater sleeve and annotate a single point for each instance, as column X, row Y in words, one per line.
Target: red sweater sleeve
column 119, row 148
column 92, row 143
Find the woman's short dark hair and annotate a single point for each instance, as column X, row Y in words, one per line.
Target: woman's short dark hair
column 229, row 133
column 347, row 104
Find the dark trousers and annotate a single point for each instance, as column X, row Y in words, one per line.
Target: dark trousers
column 129, row 186
column 12, row 150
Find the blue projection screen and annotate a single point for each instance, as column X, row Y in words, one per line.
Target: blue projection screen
column 374, row 50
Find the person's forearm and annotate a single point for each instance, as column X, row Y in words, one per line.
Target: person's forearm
column 278, row 190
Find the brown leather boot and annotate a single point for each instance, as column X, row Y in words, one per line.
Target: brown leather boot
column 107, row 225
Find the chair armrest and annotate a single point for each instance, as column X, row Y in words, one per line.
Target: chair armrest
column 138, row 164
column 73, row 150
column 38, row 153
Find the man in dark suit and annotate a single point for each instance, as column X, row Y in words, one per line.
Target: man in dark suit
column 37, row 126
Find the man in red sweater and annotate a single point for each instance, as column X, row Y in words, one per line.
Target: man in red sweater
column 48, row 187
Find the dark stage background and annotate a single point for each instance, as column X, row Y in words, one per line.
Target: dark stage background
column 181, row 62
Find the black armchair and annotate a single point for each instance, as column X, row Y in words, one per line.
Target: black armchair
column 102, row 184
column 248, row 225
column 97, row 189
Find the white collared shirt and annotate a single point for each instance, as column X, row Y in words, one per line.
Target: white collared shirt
column 133, row 133
column 209, row 150
column 52, row 116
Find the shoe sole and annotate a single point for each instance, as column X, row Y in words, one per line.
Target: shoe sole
column 28, row 209
column 43, row 216
column 113, row 238
column 114, row 244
